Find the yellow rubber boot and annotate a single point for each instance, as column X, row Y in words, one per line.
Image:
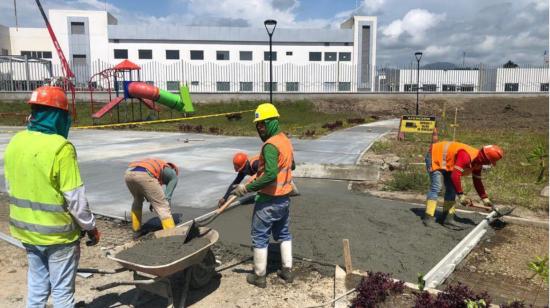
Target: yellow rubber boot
column 448, row 217
column 168, row 223
column 136, row 220
column 449, row 206
column 428, row 219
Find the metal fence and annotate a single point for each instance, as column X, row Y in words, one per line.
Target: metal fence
column 22, row 74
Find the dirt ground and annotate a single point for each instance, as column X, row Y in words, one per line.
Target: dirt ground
column 479, row 113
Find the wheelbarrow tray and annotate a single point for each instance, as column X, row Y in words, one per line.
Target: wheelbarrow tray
column 173, row 267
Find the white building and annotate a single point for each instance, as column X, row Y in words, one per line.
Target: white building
column 207, row 58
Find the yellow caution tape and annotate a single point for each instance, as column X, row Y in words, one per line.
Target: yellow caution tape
column 160, row 121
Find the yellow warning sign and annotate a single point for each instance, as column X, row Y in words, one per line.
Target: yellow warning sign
column 417, row 124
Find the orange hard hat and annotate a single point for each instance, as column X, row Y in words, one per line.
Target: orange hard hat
column 239, row 161
column 173, row 166
column 49, row 96
column 492, row 153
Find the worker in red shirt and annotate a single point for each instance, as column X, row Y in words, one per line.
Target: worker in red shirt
column 447, row 162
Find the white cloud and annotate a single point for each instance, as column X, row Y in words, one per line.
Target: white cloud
column 437, row 51
column 488, row 44
column 372, row 6
column 415, row 23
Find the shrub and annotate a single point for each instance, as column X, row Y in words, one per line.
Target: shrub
column 454, row 296
column 408, row 179
column 375, row 288
column 514, row 304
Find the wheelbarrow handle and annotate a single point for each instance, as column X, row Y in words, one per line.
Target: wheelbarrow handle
column 122, row 283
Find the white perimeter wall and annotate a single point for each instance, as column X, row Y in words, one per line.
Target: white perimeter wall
column 439, row 78
column 528, row 79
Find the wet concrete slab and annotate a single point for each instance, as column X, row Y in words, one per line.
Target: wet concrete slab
column 204, row 161
column 384, row 235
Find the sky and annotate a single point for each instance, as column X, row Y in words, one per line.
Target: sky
column 474, row 31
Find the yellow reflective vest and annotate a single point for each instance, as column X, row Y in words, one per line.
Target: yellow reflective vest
column 38, row 215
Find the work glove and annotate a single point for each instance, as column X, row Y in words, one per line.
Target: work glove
column 240, row 190
column 93, row 236
column 488, row 202
column 463, row 200
column 221, row 202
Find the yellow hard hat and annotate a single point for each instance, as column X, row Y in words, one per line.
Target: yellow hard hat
column 265, row 111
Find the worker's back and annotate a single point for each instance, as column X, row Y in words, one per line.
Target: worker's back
column 37, row 212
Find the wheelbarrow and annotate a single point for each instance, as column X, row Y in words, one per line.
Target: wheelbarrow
column 171, row 281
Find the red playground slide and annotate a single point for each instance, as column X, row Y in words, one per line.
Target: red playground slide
column 101, row 112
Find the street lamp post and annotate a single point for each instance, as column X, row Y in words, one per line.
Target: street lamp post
column 270, row 25
column 418, row 56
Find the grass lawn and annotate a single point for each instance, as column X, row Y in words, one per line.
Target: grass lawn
column 513, row 181
column 297, row 118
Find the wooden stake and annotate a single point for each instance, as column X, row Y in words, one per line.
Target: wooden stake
column 454, row 125
column 347, row 256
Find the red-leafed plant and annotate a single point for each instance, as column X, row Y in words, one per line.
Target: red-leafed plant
column 375, row 288
column 454, row 296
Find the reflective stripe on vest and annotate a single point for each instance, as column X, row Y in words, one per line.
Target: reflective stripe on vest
column 38, row 214
column 282, row 184
column 444, row 154
column 153, row 165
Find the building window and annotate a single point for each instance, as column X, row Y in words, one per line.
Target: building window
column 222, row 55
column 197, row 55
column 150, row 82
column 344, row 56
column 273, row 55
column 79, row 60
column 511, row 87
column 121, row 53
column 292, row 86
column 344, row 86
column 245, row 55
column 77, row 28
column 429, row 87
column 266, row 86
column 329, row 86
column 173, row 85
column 544, row 87
column 327, row 44
column 330, row 56
column 289, row 53
column 245, row 86
column 467, row 88
column 410, row 87
column 145, row 54
column 223, row 86
column 448, row 88
column 4, row 52
column 172, row 54
column 194, row 83
column 314, row 56
column 36, row 54
column 47, row 54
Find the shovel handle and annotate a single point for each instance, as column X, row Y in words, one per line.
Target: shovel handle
column 230, row 200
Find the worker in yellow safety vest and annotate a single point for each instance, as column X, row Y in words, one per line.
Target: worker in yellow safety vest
column 145, row 179
column 48, row 206
column 273, row 184
column 447, row 162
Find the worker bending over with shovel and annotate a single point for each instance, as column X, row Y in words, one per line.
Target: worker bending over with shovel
column 48, row 205
column 144, row 179
column 447, row 162
column 243, row 165
column 273, row 186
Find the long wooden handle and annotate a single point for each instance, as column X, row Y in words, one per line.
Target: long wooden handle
column 230, row 200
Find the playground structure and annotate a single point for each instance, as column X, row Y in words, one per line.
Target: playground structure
column 122, row 76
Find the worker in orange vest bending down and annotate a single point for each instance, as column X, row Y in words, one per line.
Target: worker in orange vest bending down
column 447, row 162
column 144, row 179
column 243, row 165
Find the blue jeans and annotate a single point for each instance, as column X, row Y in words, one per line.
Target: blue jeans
column 271, row 218
column 52, row 269
column 438, row 178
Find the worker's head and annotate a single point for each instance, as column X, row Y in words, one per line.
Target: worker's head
column 266, row 118
column 239, row 161
column 490, row 154
column 49, row 111
column 173, row 166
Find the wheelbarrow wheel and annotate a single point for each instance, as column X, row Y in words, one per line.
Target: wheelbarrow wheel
column 202, row 273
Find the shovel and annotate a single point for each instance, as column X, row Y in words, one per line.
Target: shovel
column 502, row 210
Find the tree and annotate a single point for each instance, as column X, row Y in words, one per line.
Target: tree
column 510, row 64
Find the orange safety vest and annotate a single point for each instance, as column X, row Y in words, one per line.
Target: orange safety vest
column 153, row 165
column 444, row 154
column 282, row 185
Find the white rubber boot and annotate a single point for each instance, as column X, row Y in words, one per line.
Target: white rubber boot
column 260, row 264
column 286, row 259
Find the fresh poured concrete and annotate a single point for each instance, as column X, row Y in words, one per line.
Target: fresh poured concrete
column 205, row 166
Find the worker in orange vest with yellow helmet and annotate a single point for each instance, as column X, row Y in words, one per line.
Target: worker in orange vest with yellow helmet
column 447, row 162
column 273, row 184
column 144, row 179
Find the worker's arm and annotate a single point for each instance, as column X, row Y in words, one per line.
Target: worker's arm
column 170, row 178
column 462, row 162
column 478, row 184
column 271, row 158
column 67, row 173
column 236, row 181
